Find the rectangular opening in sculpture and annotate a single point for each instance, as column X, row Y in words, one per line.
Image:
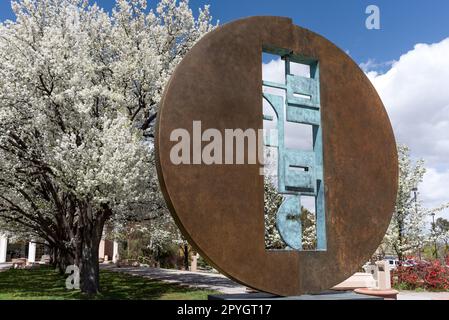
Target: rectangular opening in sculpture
column 294, row 183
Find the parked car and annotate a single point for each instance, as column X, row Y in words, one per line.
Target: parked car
column 409, row 263
column 392, row 262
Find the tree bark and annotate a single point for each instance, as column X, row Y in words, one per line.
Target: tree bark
column 400, row 248
column 63, row 259
column 88, row 265
column 89, row 237
column 186, row 257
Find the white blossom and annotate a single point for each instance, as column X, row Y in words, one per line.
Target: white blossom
column 79, row 90
column 407, row 231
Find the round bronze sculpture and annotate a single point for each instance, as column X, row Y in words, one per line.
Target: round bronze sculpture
column 220, row 208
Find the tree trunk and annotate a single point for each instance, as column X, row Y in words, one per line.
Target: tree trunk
column 63, row 259
column 88, row 265
column 400, row 249
column 88, row 242
column 53, row 261
column 186, row 257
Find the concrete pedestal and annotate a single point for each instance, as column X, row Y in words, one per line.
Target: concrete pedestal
column 358, row 280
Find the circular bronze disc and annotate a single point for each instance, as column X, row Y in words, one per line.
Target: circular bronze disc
column 220, row 208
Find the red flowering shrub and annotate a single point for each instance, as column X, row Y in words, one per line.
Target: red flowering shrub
column 407, row 277
column 437, row 277
column 425, row 275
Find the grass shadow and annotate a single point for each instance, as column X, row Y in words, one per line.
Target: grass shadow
column 44, row 283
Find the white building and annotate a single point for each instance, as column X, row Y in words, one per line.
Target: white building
column 19, row 249
column 33, row 252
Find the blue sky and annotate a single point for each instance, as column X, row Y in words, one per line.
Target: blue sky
column 403, row 22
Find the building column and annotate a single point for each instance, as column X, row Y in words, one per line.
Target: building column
column 194, row 263
column 115, row 254
column 3, row 248
column 32, row 252
column 101, row 249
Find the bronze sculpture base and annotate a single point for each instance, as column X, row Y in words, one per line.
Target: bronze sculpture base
column 328, row 295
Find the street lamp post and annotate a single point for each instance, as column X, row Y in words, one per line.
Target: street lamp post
column 434, row 235
column 415, row 198
column 415, row 192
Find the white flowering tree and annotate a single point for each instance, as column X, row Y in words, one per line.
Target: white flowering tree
column 407, row 231
column 441, row 234
column 308, row 221
column 272, row 202
column 79, row 92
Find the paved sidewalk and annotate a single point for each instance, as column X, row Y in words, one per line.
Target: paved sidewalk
column 218, row 282
column 203, row 280
column 412, row 295
column 5, row 266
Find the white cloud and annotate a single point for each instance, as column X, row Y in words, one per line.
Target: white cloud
column 431, row 189
column 372, row 64
column 274, row 71
column 415, row 92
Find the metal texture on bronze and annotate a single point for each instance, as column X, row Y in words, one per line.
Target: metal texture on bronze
column 220, row 209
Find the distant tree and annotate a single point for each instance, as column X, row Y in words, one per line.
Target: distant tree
column 308, row 222
column 272, row 202
column 407, row 232
column 273, row 239
column 441, row 230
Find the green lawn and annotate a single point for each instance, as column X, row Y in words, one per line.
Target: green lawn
column 46, row 284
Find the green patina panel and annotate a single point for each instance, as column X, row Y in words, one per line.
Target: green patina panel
column 300, row 173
